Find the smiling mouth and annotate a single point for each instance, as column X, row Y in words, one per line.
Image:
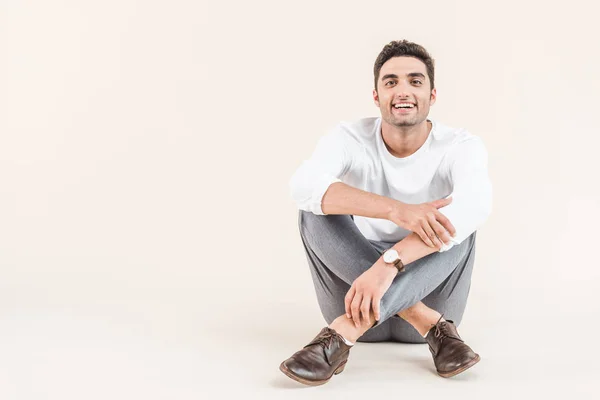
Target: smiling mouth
column 404, row 105
column 404, row 110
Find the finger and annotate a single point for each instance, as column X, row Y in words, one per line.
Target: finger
column 440, row 231
column 446, row 222
column 423, row 235
column 441, row 202
column 430, row 234
column 348, row 300
column 355, row 309
column 376, row 308
column 365, row 308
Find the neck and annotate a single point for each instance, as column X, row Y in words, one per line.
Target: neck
column 403, row 141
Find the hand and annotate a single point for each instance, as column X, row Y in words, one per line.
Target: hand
column 425, row 220
column 367, row 290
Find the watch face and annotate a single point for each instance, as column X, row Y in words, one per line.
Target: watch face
column 390, row 256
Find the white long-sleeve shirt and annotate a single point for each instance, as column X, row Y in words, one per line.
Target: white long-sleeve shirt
column 452, row 161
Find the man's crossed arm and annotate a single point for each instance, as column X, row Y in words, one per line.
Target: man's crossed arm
column 368, row 289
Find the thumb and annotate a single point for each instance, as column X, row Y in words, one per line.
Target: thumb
column 441, row 202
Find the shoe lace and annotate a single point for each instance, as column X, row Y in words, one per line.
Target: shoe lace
column 324, row 340
column 441, row 331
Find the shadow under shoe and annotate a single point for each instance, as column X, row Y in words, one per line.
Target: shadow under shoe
column 451, row 355
column 319, row 360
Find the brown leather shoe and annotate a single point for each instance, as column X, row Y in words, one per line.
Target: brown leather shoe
column 319, row 360
column 451, row 355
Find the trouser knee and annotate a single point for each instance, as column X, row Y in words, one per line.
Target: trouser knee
column 331, row 225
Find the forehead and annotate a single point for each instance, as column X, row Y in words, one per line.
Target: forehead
column 402, row 66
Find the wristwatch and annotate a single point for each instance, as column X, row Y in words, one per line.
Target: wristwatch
column 392, row 257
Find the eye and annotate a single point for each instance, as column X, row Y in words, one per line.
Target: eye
column 417, row 80
column 388, row 82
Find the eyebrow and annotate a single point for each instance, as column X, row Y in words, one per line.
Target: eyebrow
column 411, row 74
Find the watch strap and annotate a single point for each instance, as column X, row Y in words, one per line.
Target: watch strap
column 399, row 265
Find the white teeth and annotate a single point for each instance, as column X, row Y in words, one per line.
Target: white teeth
column 404, row 105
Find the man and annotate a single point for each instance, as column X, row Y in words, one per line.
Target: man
column 389, row 209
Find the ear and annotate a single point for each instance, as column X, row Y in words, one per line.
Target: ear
column 433, row 97
column 376, row 97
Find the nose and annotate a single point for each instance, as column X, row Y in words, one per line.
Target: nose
column 402, row 90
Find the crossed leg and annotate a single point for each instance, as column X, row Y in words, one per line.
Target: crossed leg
column 338, row 253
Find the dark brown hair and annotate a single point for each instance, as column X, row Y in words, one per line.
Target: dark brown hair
column 404, row 48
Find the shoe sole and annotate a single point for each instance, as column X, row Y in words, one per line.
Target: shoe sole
column 290, row 374
column 461, row 369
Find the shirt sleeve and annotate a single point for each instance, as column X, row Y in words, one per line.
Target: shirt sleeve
column 472, row 190
column 328, row 163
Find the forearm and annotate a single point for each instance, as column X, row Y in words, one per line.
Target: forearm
column 341, row 198
column 412, row 248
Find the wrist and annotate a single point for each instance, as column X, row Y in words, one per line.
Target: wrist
column 388, row 268
column 395, row 209
column 393, row 258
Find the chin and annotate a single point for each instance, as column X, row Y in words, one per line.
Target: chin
column 405, row 122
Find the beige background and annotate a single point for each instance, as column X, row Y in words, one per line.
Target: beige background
column 143, row 142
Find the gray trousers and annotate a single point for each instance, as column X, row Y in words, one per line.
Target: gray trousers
column 338, row 253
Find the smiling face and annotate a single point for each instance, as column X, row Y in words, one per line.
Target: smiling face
column 403, row 82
